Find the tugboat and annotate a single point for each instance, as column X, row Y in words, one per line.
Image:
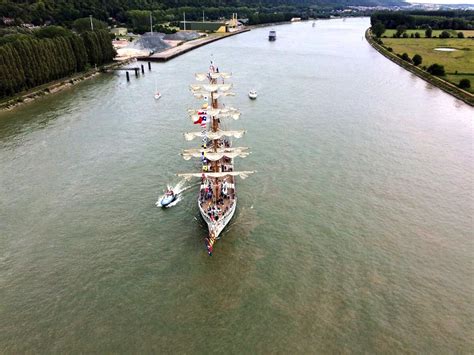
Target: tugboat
column 217, row 198
column 272, row 36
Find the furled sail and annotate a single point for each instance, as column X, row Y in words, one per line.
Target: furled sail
column 213, row 156
column 218, row 112
column 214, row 135
column 218, row 150
column 210, row 87
column 204, row 76
column 203, row 95
column 233, row 115
column 242, row 174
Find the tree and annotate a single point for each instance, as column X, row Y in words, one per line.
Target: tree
column 465, row 84
column 417, row 59
column 428, row 32
column 417, row 35
column 52, row 32
column 84, row 24
column 436, row 69
column 460, row 35
column 406, row 58
column 400, row 30
column 378, row 29
column 444, row 34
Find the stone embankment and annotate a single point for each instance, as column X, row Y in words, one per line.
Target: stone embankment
column 451, row 89
column 188, row 46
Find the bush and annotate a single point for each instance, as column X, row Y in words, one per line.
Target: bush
column 406, row 58
column 400, row 30
column 378, row 29
column 405, row 35
column 52, row 32
column 417, row 35
column 444, row 34
column 428, row 32
column 460, row 35
column 436, row 69
column 417, row 59
column 390, row 49
column 412, row 35
column 465, row 84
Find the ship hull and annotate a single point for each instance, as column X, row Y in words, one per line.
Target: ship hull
column 216, row 227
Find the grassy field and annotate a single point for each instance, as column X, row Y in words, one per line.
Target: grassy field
column 460, row 61
column 467, row 33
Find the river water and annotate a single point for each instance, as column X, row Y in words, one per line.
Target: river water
column 355, row 234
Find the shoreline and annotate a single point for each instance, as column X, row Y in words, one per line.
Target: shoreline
column 444, row 85
column 174, row 52
column 35, row 93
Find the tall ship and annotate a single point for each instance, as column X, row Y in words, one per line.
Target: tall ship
column 217, row 199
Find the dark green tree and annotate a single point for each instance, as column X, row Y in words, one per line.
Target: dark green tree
column 465, row 84
column 400, row 30
column 417, row 59
column 436, row 69
column 84, row 24
column 444, row 34
column 52, row 32
column 428, row 32
column 460, row 35
column 378, row 29
column 405, row 57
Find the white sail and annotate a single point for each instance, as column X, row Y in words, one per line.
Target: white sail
column 202, row 95
column 210, row 87
column 233, row 115
column 214, row 111
column 204, row 76
column 211, row 150
column 213, row 156
column 242, row 174
column 214, row 135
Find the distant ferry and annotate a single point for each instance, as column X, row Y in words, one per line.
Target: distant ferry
column 272, row 36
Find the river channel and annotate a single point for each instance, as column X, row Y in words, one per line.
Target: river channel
column 355, row 234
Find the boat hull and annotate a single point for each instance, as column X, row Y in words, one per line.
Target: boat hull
column 216, row 227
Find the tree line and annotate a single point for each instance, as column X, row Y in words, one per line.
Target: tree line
column 455, row 20
column 65, row 12
column 29, row 61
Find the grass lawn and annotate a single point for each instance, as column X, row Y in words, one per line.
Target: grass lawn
column 461, row 61
column 467, row 33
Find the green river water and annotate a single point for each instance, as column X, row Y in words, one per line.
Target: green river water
column 354, row 236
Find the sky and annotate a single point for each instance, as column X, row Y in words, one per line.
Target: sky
column 470, row 2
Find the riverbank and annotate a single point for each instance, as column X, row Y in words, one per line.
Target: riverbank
column 434, row 80
column 54, row 86
column 188, row 46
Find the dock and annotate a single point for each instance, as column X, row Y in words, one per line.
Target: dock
column 187, row 46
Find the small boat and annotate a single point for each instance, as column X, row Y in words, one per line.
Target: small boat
column 166, row 199
column 157, row 95
column 253, row 94
column 272, row 36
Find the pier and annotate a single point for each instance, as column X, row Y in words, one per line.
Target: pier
column 186, row 47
